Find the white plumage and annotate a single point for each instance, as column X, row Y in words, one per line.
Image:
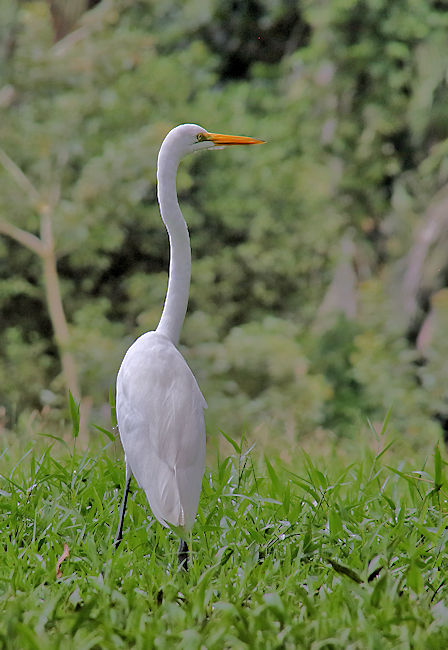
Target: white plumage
column 160, row 409
column 161, row 423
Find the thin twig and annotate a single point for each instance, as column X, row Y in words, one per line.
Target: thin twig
column 20, row 178
column 23, row 237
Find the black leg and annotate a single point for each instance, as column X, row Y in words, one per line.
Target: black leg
column 182, row 555
column 119, row 535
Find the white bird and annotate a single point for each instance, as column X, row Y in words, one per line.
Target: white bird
column 160, row 408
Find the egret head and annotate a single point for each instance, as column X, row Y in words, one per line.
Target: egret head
column 188, row 138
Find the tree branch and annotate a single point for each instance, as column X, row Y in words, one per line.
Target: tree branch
column 44, row 248
column 23, row 237
column 20, row 178
column 435, row 221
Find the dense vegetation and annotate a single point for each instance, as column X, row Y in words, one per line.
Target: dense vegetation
column 303, row 556
column 319, row 291
column 319, row 303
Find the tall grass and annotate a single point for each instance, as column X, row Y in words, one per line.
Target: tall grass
column 302, row 556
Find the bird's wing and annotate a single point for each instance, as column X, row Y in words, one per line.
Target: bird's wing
column 161, row 423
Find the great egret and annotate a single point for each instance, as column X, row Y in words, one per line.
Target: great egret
column 159, row 403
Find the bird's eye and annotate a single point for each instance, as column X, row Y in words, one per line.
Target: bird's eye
column 201, row 137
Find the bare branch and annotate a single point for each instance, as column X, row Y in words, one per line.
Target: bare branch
column 435, row 222
column 93, row 21
column 71, row 39
column 23, row 237
column 20, row 178
column 59, row 322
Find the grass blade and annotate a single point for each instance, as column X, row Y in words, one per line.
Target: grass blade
column 74, row 414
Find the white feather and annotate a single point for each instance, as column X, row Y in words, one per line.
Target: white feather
column 159, row 404
column 161, row 424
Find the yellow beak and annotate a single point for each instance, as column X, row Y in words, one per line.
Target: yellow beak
column 221, row 140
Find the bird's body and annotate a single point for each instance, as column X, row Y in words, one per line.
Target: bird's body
column 160, row 408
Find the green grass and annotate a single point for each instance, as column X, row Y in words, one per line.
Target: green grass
column 284, row 557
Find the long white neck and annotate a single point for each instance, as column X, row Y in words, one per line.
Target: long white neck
column 176, row 300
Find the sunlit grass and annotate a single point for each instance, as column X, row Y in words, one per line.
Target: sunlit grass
column 283, row 556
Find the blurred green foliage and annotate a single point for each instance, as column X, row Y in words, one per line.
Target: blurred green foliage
column 288, row 329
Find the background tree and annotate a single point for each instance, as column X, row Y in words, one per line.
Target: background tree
column 43, row 247
column 304, row 259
